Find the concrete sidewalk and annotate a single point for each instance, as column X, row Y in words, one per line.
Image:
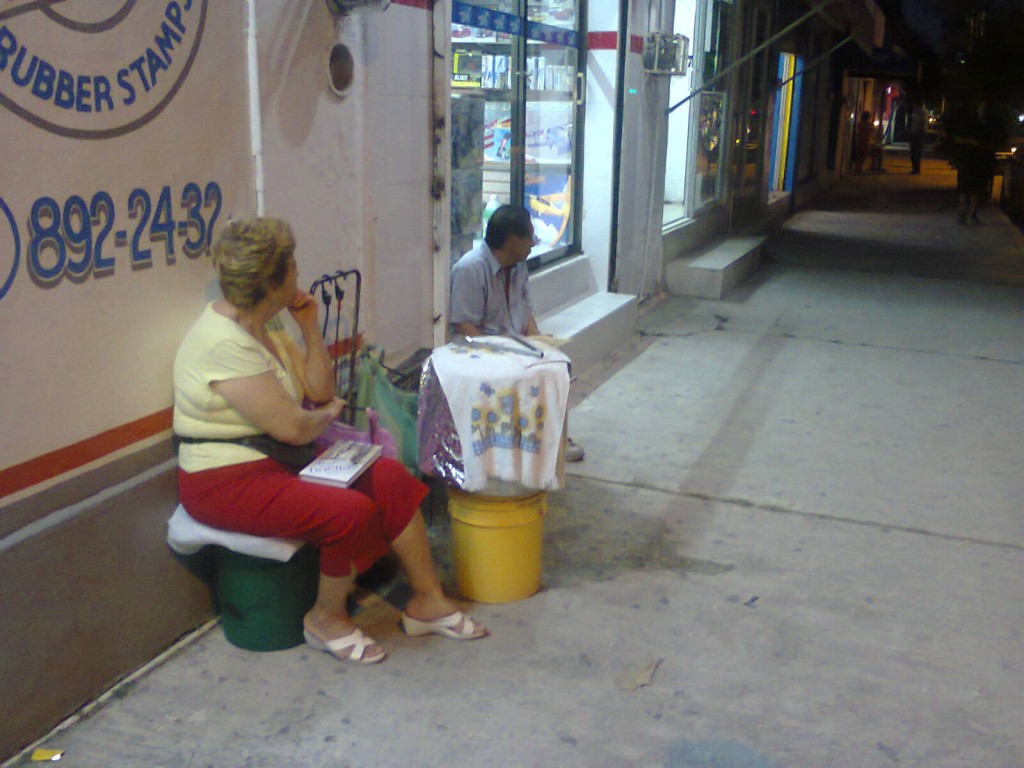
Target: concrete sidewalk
column 894, row 222
column 796, row 541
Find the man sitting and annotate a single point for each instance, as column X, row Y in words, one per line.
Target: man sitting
column 490, row 292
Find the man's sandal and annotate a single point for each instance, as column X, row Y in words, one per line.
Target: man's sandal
column 355, row 640
column 446, row 626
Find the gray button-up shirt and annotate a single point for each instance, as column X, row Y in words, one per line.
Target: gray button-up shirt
column 478, row 294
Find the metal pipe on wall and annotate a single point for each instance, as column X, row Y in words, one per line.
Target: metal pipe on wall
column 255, row 118
column 441, row 161
column 620, row 101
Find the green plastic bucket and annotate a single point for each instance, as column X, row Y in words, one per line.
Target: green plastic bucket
column 262, row 602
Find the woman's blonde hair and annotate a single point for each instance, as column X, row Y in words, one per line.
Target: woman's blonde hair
column 251, row 258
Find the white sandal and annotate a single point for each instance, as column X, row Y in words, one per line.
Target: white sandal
column 444, row 626
column 355, row 640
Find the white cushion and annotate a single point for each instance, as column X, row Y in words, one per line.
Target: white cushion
column 187, row 536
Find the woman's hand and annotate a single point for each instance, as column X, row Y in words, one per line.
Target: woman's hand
column 318, row 366
column 334, row 408
column 304, row 310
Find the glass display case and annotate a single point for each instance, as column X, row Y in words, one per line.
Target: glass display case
column 516, row 104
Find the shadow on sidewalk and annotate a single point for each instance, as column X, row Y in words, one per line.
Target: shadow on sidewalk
column 936, row 262
column 898, row 223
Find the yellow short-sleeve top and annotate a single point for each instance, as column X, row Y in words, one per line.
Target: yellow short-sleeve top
column 216, row 348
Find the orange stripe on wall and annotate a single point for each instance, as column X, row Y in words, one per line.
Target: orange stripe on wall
column 50, row 465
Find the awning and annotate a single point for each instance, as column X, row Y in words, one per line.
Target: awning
column 881, row 62
column 861, row 19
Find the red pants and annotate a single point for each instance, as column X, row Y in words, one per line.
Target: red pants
column 350, row 526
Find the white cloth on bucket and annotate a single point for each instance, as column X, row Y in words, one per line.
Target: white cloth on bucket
column 187, row 536
column 508, row 408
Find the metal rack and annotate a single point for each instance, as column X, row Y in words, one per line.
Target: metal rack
column 331, row 290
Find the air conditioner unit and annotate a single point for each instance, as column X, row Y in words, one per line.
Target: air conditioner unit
column 665, row 54
column 345, row 7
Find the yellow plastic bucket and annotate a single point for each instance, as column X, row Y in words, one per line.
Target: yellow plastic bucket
column 496, row 545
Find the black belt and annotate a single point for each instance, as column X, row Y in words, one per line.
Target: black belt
column 286, row 453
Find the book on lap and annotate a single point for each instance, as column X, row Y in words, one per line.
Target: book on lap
column 341, row 464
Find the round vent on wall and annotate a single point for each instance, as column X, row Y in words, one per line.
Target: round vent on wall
column 339, row 69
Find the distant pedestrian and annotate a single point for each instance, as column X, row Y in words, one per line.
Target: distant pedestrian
column 917, row 129
column 974, row 156
column 863, row 137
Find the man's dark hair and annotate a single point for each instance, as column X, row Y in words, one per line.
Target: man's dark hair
column 508, row 221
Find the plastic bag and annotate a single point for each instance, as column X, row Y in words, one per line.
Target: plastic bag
column 396, row 410
column 373, row 433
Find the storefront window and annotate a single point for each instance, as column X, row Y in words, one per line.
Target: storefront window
column 550, row 145
column 716, row 37
column 694, row 173
column 679, row 121
column 708, row 167
column 515, row 112
column 556, row 13
column 709, row 146
column 748, row 153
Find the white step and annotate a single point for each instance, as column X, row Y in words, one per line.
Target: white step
column 713, row 272
column 595, row 325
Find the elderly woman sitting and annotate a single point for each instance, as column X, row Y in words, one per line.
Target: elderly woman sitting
column 235, row 377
